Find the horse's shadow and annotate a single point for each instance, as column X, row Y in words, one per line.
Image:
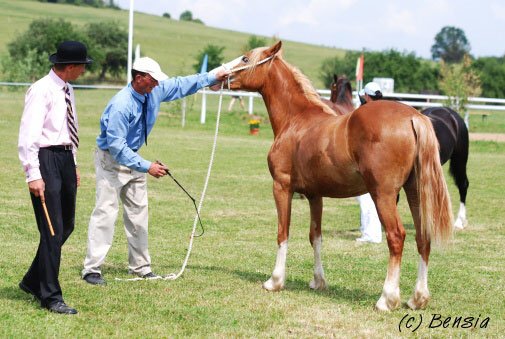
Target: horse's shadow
column 334, row 292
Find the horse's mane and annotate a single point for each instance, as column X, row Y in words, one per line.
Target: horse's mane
column 305, row 85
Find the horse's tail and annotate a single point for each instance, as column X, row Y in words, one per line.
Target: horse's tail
column 435, row 203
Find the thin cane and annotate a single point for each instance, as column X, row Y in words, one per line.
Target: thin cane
column 51, row 230
column 189, row 195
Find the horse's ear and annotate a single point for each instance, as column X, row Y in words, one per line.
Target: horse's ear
column 275, row 48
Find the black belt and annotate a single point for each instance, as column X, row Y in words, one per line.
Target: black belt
column 59, row 147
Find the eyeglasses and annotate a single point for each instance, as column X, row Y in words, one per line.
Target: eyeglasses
column 148, row 76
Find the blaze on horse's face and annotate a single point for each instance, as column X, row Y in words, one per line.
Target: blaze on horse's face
column 251, row 72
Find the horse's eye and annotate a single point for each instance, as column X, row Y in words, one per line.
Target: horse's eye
column 245, row 59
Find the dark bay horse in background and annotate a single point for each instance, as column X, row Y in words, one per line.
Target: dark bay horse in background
column 450, row 128
column 380, row 148
column 341, row 96
column 452, row 135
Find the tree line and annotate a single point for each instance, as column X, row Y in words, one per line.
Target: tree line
column 451, row 66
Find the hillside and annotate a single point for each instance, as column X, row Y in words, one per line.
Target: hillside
column 172, row 43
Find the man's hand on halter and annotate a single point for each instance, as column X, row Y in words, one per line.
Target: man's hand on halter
column 221, row 75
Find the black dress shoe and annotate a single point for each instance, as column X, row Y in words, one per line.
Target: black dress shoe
column 94, row 279
column 150, row 275
column 28, row 290
column 61, row 308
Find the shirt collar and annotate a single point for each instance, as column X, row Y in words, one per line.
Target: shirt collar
column 58, row 82
column 137, row 95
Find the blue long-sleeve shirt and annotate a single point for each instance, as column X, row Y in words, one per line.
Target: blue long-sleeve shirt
column 122, row 125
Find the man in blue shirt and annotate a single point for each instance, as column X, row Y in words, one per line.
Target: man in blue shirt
column 120, row 171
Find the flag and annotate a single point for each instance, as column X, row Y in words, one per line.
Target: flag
column 203, row 69
column 359, row 67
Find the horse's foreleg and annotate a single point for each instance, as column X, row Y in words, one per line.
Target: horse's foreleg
column 316, row 210
column 395, row 234
column 282, row 196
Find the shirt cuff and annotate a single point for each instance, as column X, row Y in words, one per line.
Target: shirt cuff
column 211, row 78
column 33, row 174
column 144, row 166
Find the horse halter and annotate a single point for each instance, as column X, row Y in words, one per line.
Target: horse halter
column 241, row 68
column 231, row 66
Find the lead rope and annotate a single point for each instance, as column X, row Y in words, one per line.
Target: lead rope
column 173, row 276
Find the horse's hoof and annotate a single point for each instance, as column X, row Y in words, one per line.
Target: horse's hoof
column 319, row 285
column 418, row 301
column 460, row 224
column 386, row 305
column 270, row 285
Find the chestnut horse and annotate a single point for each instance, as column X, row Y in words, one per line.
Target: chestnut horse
column 379, row 148
column 450, row 129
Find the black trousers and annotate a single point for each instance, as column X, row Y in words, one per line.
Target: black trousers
column 57, row 168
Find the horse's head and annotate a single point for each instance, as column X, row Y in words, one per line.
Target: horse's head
column 341, row 90
column 249, row 71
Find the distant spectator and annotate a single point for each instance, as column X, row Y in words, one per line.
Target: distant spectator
column 232, row 102
column 370, row 92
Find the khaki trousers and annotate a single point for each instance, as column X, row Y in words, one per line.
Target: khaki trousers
column 112, row 181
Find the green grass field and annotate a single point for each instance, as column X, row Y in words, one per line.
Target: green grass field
column 220, row 293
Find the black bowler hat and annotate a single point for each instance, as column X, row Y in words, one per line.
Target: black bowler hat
column 71, row 52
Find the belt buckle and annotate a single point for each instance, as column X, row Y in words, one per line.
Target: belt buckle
column 67, row 147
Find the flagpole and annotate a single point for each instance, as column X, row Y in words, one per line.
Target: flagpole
column 130, row 42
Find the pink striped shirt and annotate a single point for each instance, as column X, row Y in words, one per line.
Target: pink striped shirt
column 44, row 122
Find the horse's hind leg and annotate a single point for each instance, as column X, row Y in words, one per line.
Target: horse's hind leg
column 421, row 295
column 316, row 210
column 395, row 234
column 282, row 196
column 457, row 169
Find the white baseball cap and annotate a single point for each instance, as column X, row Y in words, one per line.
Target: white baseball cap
column 371, row 88
column 148, row 65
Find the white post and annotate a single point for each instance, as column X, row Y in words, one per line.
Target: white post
column 204, row 107
column 130, row 40
column 250, row 106
column 183, row 111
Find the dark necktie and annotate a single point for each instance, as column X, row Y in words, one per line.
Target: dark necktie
column 144, row 117
column 72, row 129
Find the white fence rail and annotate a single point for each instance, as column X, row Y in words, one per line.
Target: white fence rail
column 415, row 100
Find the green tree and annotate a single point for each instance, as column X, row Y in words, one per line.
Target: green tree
column 492, row 74
column 345, row 65
column 411, row 74
column 186, row 16
column 167, row 15
column 458, row 82
column 450, row 45
column 214, row 54
column 254, row 42
column 110, row 46
column 40, row 39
